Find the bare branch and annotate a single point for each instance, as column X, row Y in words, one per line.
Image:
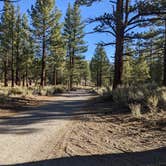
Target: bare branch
column 106, row 44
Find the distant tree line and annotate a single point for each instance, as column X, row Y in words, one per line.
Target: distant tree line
column 44, row 52
column 48, row 52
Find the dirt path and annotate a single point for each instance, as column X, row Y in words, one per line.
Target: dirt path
column 33, row 135
column 66, row 131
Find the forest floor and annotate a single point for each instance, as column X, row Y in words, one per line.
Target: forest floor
column 76, row 129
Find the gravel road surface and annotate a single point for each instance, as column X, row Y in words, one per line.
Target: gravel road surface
column 32, row 135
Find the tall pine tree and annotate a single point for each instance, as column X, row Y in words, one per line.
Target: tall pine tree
column 75, row 45
column 100, row 67
column 57, row 52
column 44, row 15
column 7, row 40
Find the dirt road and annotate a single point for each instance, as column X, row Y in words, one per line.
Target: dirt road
column 66, row 131
column 32, row 135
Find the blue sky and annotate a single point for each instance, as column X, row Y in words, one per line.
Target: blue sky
column 87, row 12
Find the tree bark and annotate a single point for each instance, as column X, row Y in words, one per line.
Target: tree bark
column 101, row 73
column 6, row 72
column 26, row 76
column 55, row 76
column 119, row 45
column 18, row 80
column 97, row 76
column 85, row 81
column 43, row 72
column 71, row 69
column 12, row 63
column 71, row 74
column 164, row 80
column 30, row 82
column 17, row 68
column 12, row 50
column 23, row 81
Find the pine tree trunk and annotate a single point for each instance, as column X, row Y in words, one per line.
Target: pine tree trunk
column 71, row 74
column 164, row 80
column 97, row 77
column 18, row 80
column 23, row 81
column 119, row 46
column 30, row 82
column 12, row 64
column 26, row 76
column 43, row 72
column 101, row 73
column 71, row 69
column 17, row 71
column 12, row 52
column 60, row 77
column 55, row 76
column 17, row 67
column 85, row 81
column 6, row 73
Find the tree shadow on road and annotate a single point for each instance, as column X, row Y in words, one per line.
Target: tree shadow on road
column 156, row 157
column 50, row 110
column 62, row 110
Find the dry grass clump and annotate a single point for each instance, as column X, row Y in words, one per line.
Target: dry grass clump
column 48, row 90
column 152, row 103
column 162, row 97
column 126, row 95
column 121, row 96
column 135, row 110
column 29, row 91
column 14, row 91
column 102, row 91
column 149, row 97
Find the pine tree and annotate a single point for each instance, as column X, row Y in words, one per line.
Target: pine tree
column 57, row 52
column 84, row 72
column 68, row 32
column 7, row 40
column 136, row 64
column 17, row 46
column 100, row 67
column 141, row 70
column 127, row 70
column 12, row 36
column 153, row 48
column 43, row 20
column 27, row 52
column 75, row 45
